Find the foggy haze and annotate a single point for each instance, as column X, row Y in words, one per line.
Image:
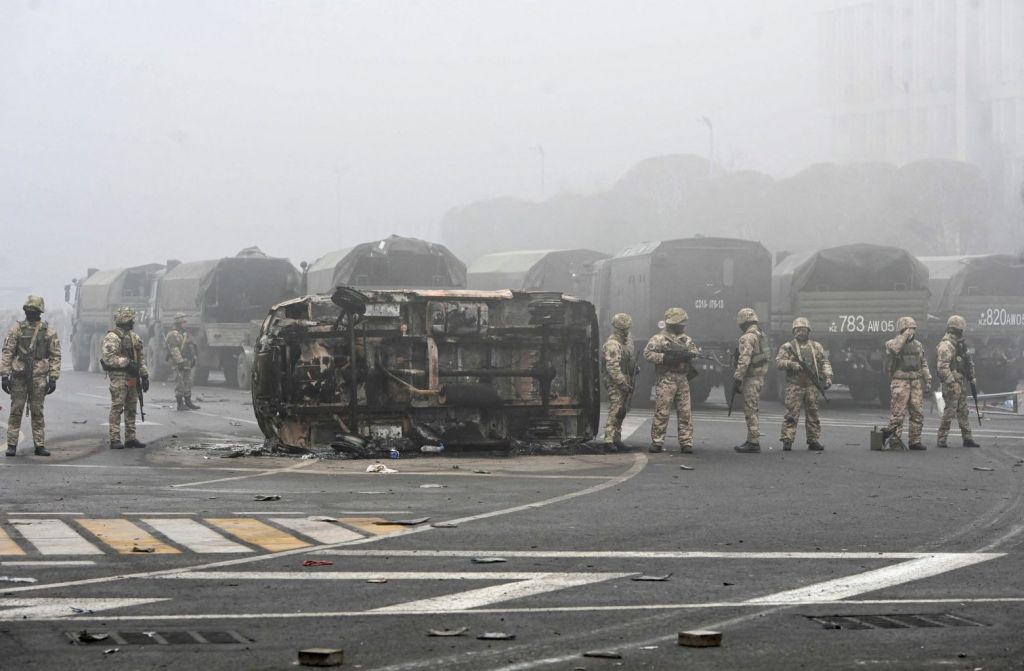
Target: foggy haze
column 138, row 132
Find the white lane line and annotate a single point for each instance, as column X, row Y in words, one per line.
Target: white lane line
column 632, row 425
column 260, row 474
column 614, row 554
column 44, row 563
column 264, row 512
column 54, row 537
column 368, row 575
column 82, row 393
column 195, row 536
column 146, row 423
column 234, row 419
column 18, row 514
column 60, row 609
column 871, row 581
column 318, row 530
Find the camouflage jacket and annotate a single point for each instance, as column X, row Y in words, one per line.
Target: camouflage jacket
column 907, row 360
column 116, row 353
column 181, row 348
column 22, row 342
column 753, row 353
column 663, row 342
column 618, row 361
column 811, row 353
column 950, row 364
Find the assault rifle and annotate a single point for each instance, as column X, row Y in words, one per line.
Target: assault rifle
column 812, row 376
column 138, row 376
column 732, row 396
column 969, row 374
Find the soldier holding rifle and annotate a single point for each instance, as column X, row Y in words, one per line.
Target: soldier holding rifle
column 672, row 351
column 123, row 360
column 808, row 371
column 956, row 370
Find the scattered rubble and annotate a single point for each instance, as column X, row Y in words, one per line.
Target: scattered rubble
column 447, row 632
column 321, row 657
column 700, row 638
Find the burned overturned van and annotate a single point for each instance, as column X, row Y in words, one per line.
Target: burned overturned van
column 376, row 370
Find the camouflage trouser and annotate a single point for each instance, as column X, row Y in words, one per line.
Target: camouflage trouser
column 183, row 381
column 797, row 396
column 672, row 389
column 956, row 405
column 124, row 397
column 22, row 393
column 907, row 394
column 618, row 406
column 751, row 399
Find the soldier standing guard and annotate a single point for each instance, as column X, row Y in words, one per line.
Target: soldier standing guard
column 911, row 380
column 800, row 388
column 31, row 354
column 751, row 369
column 125, row 364
column 183, row 353
column 619, row 368
column 955, row 372
column 671, row 351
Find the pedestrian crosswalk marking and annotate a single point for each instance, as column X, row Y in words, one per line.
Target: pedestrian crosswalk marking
column 54, row 537
column 8, row 546
column 194, row 536
column 254, row 532
column 319, row 530
column 126, row 537
column 370, row 526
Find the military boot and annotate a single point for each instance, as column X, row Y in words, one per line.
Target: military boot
column 815, row 446
column 655, row 448
column 181, row 403
column 686, row 449
column 748, row 447
column 941, row 443
column 116, row 444
column 12, row 450
column 134, row 442
column 42, row 452
column 917, row 446
column 787, row 445
column 622, row 447
column 189, row 404
column 969, row 442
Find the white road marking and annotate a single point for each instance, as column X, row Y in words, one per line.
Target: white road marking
column 318, row 530
column 146, row 423
column 631, row 425
column 82, row 393
column 613, row 554
column 234, row 419
column 263, row 473
column 54, row 537
column 60, row 609
column 369, row 575
column 195, row 536
column 41, row 514
column 44, row 563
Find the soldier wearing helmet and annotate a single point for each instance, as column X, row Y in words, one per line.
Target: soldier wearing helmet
column 619, row 371
column 956, row 374
column 123, row 360
column 29, row 368
column 672, row 351
column 800, row 388
column 910, row 381
column 183, row 352
column 752, row 355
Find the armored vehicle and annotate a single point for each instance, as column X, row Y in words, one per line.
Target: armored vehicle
column 96, row 297
column 852, row 295
column 408, row 369
column 711, row 278
column 988, row 291
column 565, row 270
column 224, row 301
column 392, row 263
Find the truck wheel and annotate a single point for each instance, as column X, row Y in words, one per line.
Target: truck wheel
column 244, row 372
column 700, row 390
column 862, row 392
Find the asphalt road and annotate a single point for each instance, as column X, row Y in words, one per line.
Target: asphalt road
column 842, row 559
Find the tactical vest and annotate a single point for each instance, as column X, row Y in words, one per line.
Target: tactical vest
column 126, row 350
column 909, row 360
column 958, row 364
column 40, row 350
column 811, row 361
column 759, row 357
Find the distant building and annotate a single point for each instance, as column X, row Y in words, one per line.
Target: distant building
column 904, row 80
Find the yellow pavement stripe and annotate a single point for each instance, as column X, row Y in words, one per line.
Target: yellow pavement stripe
column 8, row 546
column 124, row 536
column 368, row 524
column 258, row 533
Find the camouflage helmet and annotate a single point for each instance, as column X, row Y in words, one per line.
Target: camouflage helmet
column 746, row 316
column 124, row 315
column 622, row 321
column 180, row 317
column 956, row 322
column 676, row 316
column 904, row 323
column 34, row 303
column 801, row 323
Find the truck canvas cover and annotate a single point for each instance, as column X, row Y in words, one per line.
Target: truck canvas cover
column 567, row 270
column 104, row 290
column 988, row 291
column 234, row 289
column 394, row 262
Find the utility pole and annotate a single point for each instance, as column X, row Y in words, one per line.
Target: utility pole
column 711, row 147
column 540, row 152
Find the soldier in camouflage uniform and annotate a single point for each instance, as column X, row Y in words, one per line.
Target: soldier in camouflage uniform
column 619, row 368
column 29, row 368
column 911, row 380
column 671, row 352
column 800, row 389
column 123, row 360
column 751, row 368
column 957, row 375
column 183, row 353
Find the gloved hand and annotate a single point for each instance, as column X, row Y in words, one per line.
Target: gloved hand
column 145, row 383
column 737, row 387
column 793, row 366
column 51, row 386
column 828, row 383
column 132, row 368
column 5, row 384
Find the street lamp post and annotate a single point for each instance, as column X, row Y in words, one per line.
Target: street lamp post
column 711, row 146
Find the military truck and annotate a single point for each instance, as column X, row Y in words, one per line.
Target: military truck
column 373, row 370
column 392, row 263
column 988, row 291
column 94, row 300
column 224, row 301
column 711, row 278
column 565, row 270
column 852, row 295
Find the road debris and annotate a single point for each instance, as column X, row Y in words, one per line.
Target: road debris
column 603, row 654
column 376, row 581
column 684, row 467
column 402, row 523
column 984, row 468
column 270, row 497
column 79, row 421
column 496, row 636
column 651, row 578
column 234, row 423
column 430, row 486
column 445, row 525
column 447, row 632
column 318, row 562
column 322, row 518
column 321, row 656
column 80, row 611
column 481, row 471
column 233, row 455
column 137, row 548
column 85, row 636
column 489, row 560
column 700, row 638
column 111, row 651
column 379, row 468
column 11, row 578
